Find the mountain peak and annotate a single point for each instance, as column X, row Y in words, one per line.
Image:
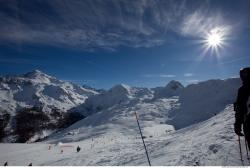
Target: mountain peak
column 173, row 88
column 38, row 76
column 122, row 88
column 35, row 74
column 37, row 71
column 174, row 85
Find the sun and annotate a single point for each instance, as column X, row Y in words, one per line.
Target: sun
column 214, row 39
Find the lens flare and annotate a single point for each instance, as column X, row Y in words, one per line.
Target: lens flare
column 215, row 40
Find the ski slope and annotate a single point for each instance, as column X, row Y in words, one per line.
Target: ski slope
column 209, row 143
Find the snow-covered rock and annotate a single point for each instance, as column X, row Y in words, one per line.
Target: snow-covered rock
column 173, row 88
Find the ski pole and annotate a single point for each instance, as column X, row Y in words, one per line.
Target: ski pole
column 246, row 148
column 142, row 138
column 240, row 148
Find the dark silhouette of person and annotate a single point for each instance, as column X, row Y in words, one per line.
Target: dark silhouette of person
column 78, row 149
column 6, row 164
column 242, row 106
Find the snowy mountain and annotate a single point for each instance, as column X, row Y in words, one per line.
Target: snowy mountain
column 92, row 88
column 116, row 96
column 190, row 125
column 173, row 88
column 173, row 112
column 36, row 92
column 39, row 89
column 111, row 136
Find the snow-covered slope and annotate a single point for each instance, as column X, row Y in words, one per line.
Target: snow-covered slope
column 39, row 89
column 201, row 101
column 210, row 143
column 196, row 103
column 118, row 95
column 119, row 119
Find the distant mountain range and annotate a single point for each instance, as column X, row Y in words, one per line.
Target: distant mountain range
column 36, row 95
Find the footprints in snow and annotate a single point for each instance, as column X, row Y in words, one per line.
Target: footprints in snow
column 214, row 148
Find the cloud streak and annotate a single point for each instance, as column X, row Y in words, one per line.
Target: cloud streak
column 159, row 76
column 188, row 74
column 192, row 81
column 97, row 24
column 88, row 24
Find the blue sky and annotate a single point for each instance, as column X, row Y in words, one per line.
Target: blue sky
column 137, row 42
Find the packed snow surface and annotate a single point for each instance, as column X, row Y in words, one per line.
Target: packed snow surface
column 211, row 142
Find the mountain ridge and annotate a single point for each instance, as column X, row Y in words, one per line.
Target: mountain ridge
column 37, row 89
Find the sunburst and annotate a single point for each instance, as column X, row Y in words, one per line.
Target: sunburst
column 214, row 40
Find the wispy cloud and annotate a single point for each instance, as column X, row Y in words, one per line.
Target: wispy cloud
column 167, row 76
column 88, row 24
column 194, row 81
column 109, row 24
column 188, row 74
column 159, row 76
column 201, row 22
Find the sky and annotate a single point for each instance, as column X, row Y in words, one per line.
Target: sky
column 144, row 43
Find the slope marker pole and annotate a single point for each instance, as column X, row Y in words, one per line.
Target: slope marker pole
column 246, row 148
column 240, row 149
column 142, row 139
